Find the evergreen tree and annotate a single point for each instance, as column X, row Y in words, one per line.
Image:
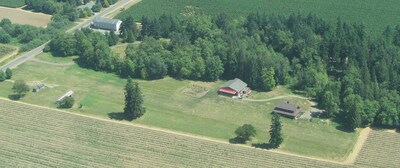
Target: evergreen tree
column 8, row 73
column 353, row 107
column 275, row 132
column 133, row 100
column 268, row 80
column 112, row 38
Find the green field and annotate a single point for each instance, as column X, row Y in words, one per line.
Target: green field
column 12, row 3
column 175, row 105
column 374, row 14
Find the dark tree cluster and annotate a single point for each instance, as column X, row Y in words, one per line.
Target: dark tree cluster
column 353, row 76
column 29, row 36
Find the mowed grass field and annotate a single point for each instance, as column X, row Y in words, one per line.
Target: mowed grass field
column 175, row 105
column 374, row 14
column 21, row 16
column 12, row 3
column 39, row 137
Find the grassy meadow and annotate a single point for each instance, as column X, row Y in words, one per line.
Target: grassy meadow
column 374, row 14
column 12, row 3
column 180, row 105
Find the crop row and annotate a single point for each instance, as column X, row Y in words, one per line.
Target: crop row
column 381, row 150
column 37, row 136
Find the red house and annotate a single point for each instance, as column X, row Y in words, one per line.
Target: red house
column 235, row 87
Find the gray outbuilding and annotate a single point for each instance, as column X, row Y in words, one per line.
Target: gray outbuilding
column 107, row 24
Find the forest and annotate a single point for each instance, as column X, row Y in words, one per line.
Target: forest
column 352, row 75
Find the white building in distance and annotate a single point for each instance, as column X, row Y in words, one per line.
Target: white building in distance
column 107, row 24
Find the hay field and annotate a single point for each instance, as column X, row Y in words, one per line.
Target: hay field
column 25, row 17
column 381, row 150
column 38, row 137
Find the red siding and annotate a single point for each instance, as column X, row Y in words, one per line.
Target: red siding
column 227, row 91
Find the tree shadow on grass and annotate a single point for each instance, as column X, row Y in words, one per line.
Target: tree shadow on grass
column 119, row 116
column 344, row 128
column 262, row 145
column 14, row 97
column 237, row 140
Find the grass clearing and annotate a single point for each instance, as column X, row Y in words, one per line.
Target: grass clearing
column 168, row 107
column 21, row 16
column 374, row 14
column 12, row 3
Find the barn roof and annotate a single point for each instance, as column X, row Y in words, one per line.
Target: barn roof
column 235, row 84
column 287, row 108
column 106, row 20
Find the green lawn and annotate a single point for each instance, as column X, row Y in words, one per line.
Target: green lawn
column 374, row 14
column 12, row 3
column 172, row 105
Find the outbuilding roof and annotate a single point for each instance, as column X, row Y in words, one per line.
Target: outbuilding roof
column 106, row 20
column 287, row 108
column 235, row 84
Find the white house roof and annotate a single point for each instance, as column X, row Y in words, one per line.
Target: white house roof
column 105, row 20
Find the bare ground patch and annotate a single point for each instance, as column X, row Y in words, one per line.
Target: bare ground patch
column 20, row 16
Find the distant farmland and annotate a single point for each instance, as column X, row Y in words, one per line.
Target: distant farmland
column 12, row 3
column 374, row 14
column 25, row 17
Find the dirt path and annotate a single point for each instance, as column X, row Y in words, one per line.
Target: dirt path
column 51, row 63
column 10, row 55
column 358, row 146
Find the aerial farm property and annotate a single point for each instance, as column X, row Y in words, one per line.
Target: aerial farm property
column 153, row 83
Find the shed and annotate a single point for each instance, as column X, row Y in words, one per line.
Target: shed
column 68, row 94
column 235, row 87
column 107, row 24
column 38, row 87
column 287, row 109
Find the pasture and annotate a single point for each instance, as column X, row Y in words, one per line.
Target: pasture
column 21, row 16
column 374, row 14
column 176, row 105
column 12, row 3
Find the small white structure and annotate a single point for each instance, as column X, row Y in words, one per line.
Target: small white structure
column 68, row 94
column 107, row 24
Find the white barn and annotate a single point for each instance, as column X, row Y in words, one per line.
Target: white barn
column 107, row 24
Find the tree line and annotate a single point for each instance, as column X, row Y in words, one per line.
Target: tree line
column 353, row 76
